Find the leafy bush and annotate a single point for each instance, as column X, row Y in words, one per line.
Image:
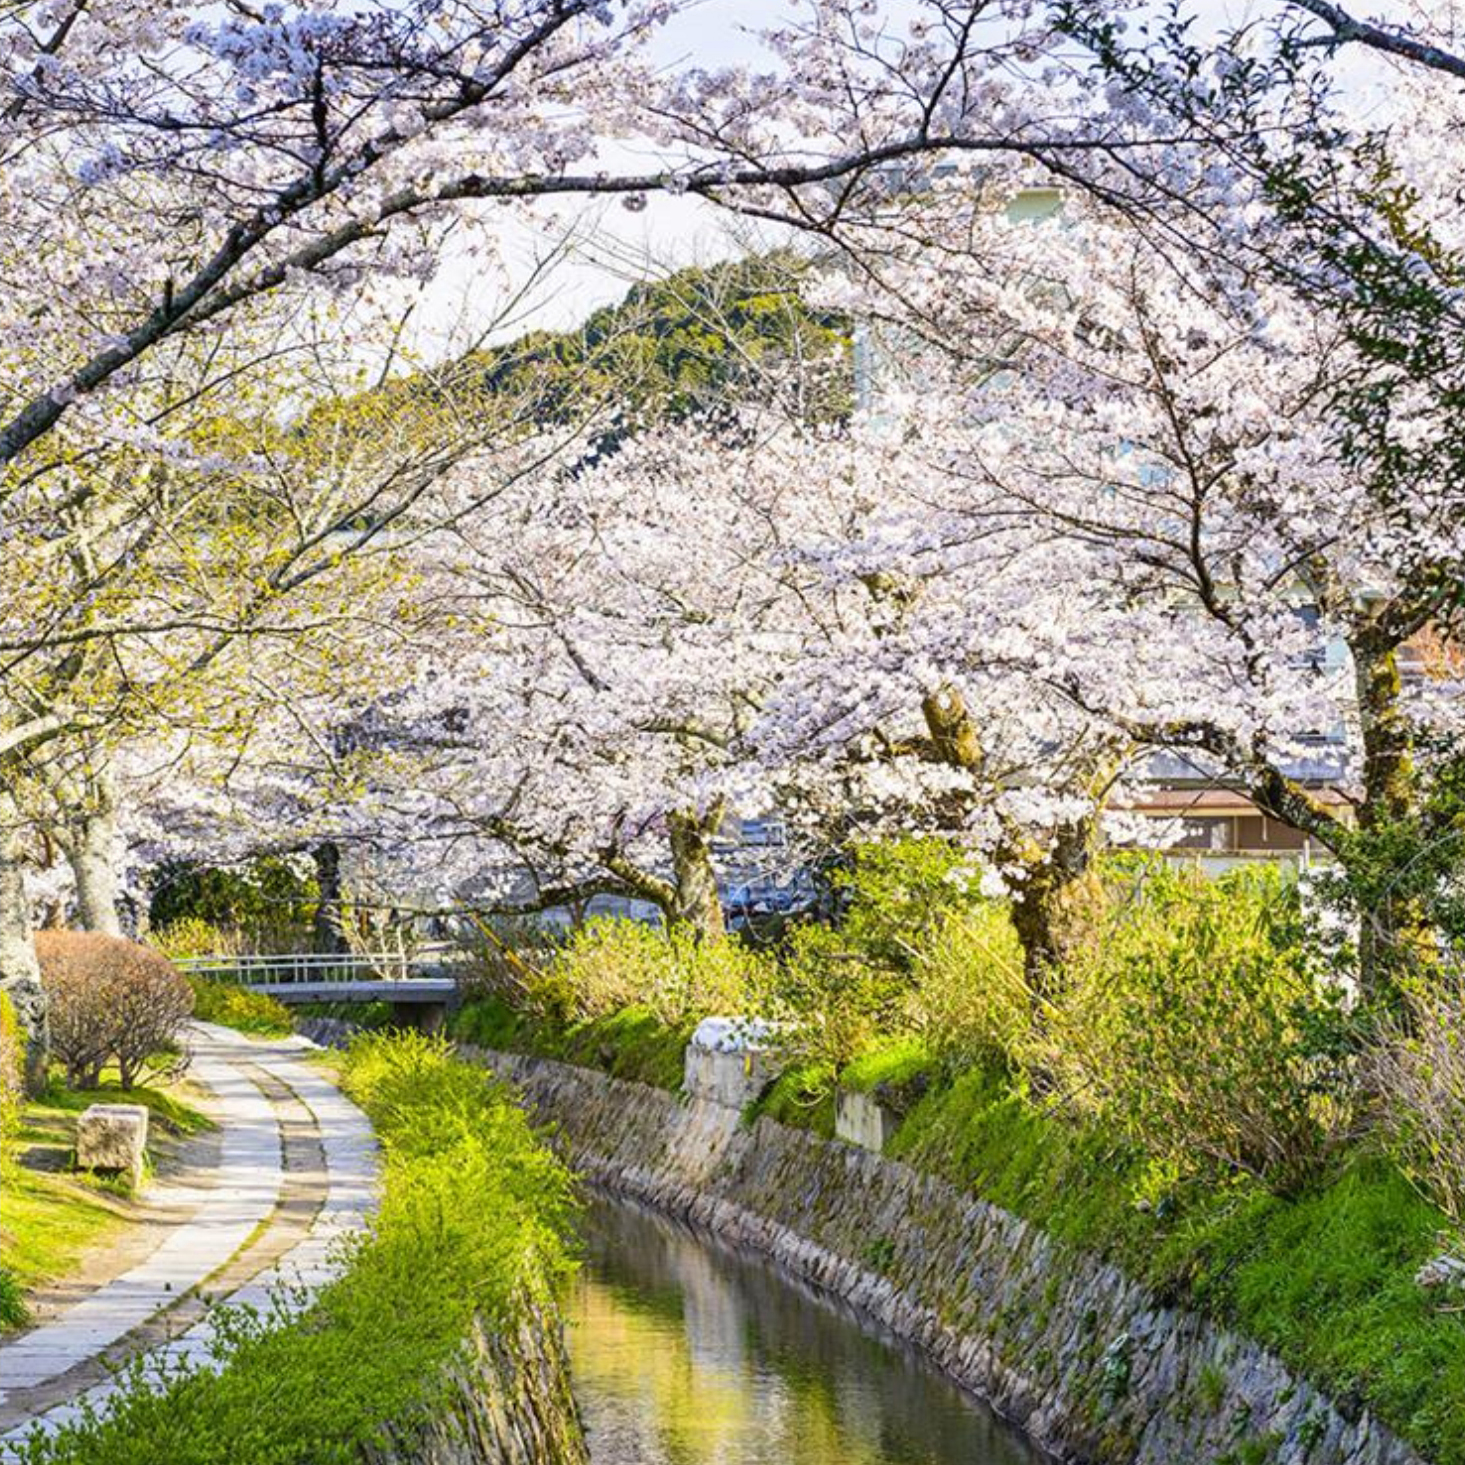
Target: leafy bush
column 970, row 999
column 1418, row 1074
column 13, row 1311
column 896, row 896
column 835, row 998
column 243, row 1008
column 265, row 905
column 914, row 949
column 472, row 1224
column 12, row 1073
column 608, row 965
column 1197, row 1028
column 111, row 1000
column 193, row 936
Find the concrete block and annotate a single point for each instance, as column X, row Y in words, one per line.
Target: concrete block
column 113, row 1138
column 861, row 1119
column 732, row 1078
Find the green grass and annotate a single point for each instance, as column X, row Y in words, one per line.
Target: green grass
column 472, row 1222
column 802, row 1096
column 50, row 1221
column 240, row 1008
column 51, row 1216
column 1325, row 1279
column 898, row 1064
column 164, row 1106
column 630, row 1044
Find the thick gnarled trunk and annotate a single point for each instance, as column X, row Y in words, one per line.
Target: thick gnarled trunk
column 1053, row 910
column 1050, row 907
column 696, row 903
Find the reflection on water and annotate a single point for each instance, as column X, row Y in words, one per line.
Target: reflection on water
column 688, row 1353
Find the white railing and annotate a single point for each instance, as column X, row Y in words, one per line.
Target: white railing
column 269, row 969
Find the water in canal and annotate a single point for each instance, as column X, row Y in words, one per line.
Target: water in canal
column 686, row 1352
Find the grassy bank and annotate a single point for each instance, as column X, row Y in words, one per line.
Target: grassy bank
column 1325, row 1276
column 51, row 1216
column 241, row 1008
column 473, row 1216
column 632, row 1044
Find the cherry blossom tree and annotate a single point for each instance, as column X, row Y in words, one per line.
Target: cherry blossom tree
column 586, row 715
column 1150, row 444
column 168, row 178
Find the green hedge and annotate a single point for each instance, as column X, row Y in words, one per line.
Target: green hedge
column 241, row 1008
column 473, row 1219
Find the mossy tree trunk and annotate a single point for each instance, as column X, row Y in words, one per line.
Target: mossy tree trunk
column 1053, row 909
column 1048, row 908
column 1394, row 938
column 696, row 903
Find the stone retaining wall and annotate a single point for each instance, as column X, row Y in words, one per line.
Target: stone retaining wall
column 1086, row 1360
column 507, row 1402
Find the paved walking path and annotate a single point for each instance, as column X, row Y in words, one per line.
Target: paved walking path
column 154, row 1308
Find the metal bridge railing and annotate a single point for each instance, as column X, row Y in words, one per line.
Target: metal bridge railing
column 317, row 966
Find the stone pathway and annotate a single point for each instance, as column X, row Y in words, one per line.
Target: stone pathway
column 297, row 1176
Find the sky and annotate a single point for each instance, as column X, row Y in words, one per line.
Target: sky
column 601, row 248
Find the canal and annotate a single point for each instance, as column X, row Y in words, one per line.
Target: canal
column 686, row 1352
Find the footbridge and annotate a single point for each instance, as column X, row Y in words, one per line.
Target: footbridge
column 420, row 988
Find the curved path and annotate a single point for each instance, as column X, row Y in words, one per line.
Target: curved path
column 296, row 1176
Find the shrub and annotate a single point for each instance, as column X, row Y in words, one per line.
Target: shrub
column 897, row 894
column 1418, row 1074
column 836, row 999
column 12, row 1075
column 267, row 904
column 238, row 1007
column 13, row 1309
column 971, row 1001
column 111, row 999
column 1196, row 1026
column 608, row 965
column 896, row 961
column 194, row 936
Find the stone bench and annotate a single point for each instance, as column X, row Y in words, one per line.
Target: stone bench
column 112, row 1139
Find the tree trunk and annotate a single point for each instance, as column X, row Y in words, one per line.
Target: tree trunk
column 328, row 930
column 1393, row 937
column 1047, row 911
column 1054, row 906
column 90, row 852
column 88, row 838
column 1388, row 741
column 20, row 972
column 695, row 901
